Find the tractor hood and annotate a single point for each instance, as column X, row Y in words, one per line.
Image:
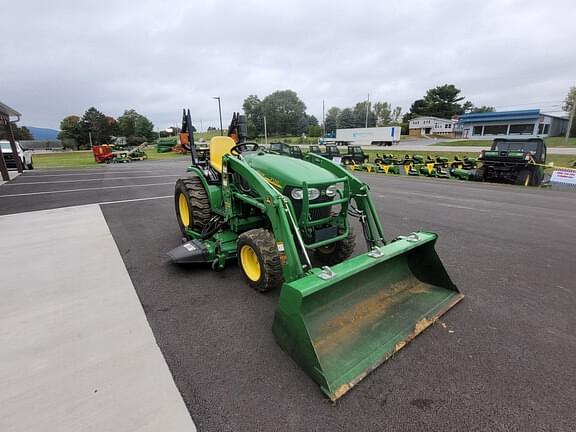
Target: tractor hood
column 281, row 171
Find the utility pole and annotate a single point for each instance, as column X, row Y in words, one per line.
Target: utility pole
column 367, row 108
column 265, row 132
column 570, row 119
column 323, row 120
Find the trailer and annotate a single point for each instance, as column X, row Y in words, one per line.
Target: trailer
column 379, row 136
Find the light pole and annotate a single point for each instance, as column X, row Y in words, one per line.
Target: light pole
column 89, row 123
column 219, row 112
column 570, row 120
column 367, row 109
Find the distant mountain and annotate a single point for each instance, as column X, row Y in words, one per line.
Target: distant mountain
column 43, row 133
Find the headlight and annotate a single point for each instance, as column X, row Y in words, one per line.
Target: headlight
column 313, row 193
column 297, row 194
column 331, row 190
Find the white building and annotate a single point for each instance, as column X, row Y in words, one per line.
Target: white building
column 425, row 125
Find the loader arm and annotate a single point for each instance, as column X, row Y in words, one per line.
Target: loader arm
column 360, row 192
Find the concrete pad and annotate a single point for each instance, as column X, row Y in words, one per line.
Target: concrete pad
column 76, row 350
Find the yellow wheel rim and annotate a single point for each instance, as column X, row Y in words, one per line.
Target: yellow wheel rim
column 527, row 181
column 183, row 210
column 250, row 263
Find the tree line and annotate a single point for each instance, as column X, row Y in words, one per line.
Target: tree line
column 76, row 132
column 286, row 115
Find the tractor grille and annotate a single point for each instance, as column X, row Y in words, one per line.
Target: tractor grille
column 315, row 213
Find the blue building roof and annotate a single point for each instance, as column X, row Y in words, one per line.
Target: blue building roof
column 532, row 114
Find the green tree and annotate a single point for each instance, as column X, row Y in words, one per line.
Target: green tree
column 359, row 112
column 346, row 119
column 21, row 133
column 396, row 116
column 253, row 111
column 331, row 119
column 135, row 127
column 418, row 108
column 442, row 101
column 314, row 131
column 383, row 113
column 96, row 124
column 71, row 132
column 285, row 113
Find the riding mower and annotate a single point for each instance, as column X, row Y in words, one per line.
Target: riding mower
column 416, row 165
column 387, row 168
column 431, row 167
column 387, row 164
column 467, row 163
column 288, row 224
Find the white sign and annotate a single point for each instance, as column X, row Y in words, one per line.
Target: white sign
column 337, row 160
column 564, row 175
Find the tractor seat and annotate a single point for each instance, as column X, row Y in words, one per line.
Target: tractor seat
column 219, row 146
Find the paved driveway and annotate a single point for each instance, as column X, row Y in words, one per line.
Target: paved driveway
column 501, row 360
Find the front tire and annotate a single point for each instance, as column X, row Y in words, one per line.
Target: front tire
column 259, row 260
column 338, row 251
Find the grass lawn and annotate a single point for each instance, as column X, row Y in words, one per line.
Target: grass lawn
column 85, row 159
column 550, row 142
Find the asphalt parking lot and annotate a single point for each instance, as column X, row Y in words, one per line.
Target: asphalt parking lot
column 501, row 360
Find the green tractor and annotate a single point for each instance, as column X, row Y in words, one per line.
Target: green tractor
column 288, row 224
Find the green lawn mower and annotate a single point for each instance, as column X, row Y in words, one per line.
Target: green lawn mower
column 287, row 222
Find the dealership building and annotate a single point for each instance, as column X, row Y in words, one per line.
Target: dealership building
column 511, row 123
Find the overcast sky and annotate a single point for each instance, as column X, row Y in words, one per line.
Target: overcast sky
column 61, row 57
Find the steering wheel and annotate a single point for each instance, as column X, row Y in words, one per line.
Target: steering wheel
column 243, row 147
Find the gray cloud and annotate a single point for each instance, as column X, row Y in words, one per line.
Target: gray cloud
column 61, row 57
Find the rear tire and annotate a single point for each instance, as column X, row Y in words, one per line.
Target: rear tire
column 524, row 178
column 338, row 251
column 192, row 204
column 259, row 260
column 537, row 177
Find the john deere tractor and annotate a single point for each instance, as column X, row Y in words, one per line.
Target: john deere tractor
column 288, row 223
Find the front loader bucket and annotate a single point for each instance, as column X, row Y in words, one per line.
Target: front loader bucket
column 340, row 327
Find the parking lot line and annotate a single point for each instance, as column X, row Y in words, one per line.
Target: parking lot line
column 96, row 172
column 83, row 189
column 134, row 199
column 90, row 180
